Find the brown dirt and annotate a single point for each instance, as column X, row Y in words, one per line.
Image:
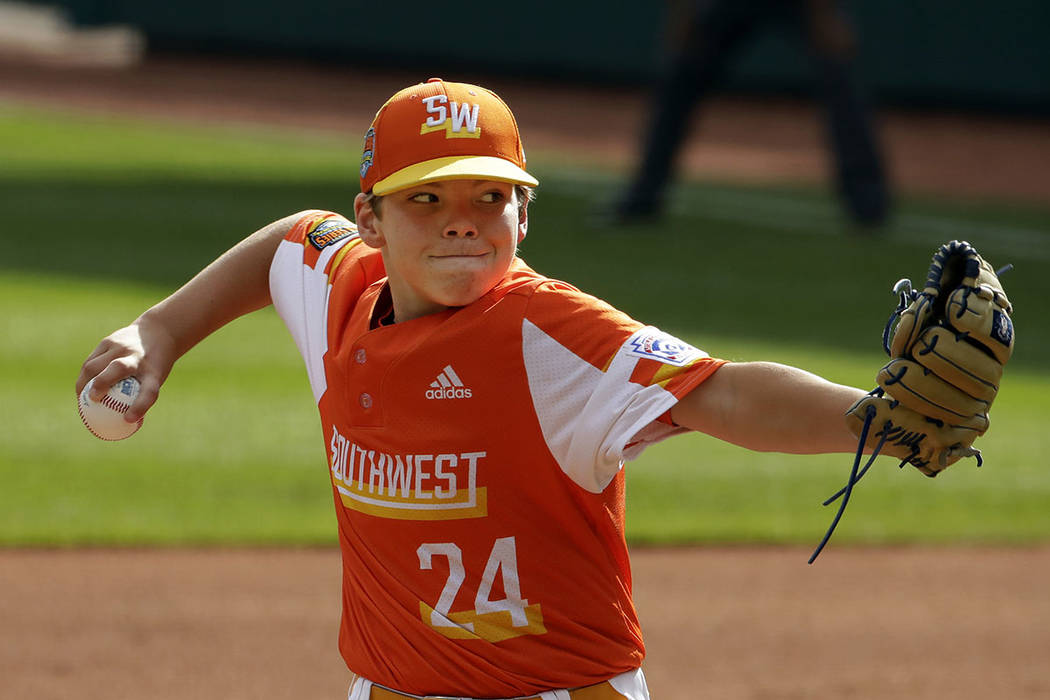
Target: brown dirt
column 755, row 624
column 733, row 624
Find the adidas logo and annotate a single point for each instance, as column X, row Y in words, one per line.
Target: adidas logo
column 448, row 385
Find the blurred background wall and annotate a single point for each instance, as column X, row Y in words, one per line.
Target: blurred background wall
column 968, row 54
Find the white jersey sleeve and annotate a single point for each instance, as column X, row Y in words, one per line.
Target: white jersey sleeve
column 600, row 382
column 301, row 284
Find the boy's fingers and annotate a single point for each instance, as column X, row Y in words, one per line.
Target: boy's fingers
column 94, row 364
column 149, row 389
column 115, row 370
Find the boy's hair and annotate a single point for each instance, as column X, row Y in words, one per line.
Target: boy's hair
column 524, row 193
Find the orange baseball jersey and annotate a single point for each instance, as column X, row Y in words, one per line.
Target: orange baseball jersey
column 476, row 463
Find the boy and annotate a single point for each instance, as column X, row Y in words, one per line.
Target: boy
column 476, row 415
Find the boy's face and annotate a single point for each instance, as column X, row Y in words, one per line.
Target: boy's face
column 444, row 243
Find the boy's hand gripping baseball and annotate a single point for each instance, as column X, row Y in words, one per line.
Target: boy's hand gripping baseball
column 143, row 350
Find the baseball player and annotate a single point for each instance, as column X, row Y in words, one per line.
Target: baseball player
column 476, row 415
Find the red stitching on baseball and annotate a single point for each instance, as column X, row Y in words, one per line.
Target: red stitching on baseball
column 120, row 407
column 80, row 410
column 112, row 403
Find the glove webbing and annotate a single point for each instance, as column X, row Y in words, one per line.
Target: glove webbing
column 907, row 295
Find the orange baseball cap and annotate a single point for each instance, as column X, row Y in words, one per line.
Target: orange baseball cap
column 442, row 131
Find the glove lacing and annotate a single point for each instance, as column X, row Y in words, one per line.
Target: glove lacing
column 907, row 295
column 903, row 289
column 856, row 474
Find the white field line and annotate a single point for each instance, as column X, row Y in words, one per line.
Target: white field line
column 803, row 216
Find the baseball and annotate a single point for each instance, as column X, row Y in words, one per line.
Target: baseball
column 105, row 418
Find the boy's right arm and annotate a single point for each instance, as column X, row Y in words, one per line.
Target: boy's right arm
column 235, row 284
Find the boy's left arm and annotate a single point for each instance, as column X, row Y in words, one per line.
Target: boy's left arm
column 770, row 407
column 947, row 355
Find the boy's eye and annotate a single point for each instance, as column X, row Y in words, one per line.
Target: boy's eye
column 424, row 197
column 492, row 197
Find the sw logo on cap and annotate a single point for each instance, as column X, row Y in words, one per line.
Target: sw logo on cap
column 451, row 119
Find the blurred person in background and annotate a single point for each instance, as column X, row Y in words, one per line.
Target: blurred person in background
column 706, row 36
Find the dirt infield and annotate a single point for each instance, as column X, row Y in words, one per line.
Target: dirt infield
column 731, row 624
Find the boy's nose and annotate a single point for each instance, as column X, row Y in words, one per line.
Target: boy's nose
column 461, row 231
column 461, row 213
column 460, row 225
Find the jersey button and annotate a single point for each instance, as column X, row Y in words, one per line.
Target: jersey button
column 360, row 356
column 366, row 400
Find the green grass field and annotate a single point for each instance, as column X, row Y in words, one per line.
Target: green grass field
column 104, row 217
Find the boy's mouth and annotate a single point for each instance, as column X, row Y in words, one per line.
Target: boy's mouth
column 456, row 256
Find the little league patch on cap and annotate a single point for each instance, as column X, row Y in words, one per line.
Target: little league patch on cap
column 442, row 131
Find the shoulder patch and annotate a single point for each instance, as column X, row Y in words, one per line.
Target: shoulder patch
column 329, row 231
column 653, row 344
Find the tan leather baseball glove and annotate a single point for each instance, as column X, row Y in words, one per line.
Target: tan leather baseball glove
column 947, row 354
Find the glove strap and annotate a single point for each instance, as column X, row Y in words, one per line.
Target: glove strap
column 855, row 475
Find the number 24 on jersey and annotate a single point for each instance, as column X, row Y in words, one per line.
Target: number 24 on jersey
column 491, row 620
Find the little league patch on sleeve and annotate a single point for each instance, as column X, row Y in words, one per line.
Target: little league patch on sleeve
column 329, row 231
column 653, row 344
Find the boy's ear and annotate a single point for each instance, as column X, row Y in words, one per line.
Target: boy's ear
column 523, row 224
column 367, row 222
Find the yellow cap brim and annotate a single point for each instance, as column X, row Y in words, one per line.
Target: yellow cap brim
column 455, row 168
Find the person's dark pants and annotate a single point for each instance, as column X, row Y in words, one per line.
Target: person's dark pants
column 715, row 32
